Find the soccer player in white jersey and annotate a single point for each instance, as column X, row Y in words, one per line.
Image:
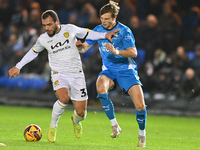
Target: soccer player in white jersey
column 119, row 66
column 66, row 67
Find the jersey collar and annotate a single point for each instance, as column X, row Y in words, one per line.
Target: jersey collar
column 112, row 27
column 58, row 30
column 55, row 32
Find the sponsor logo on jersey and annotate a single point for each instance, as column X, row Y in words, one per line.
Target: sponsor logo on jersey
column 59, row 44
column 61, row 49
column 127, row 38
column 103, row 48
column 66, row 34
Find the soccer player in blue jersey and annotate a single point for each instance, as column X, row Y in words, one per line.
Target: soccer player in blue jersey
column 119, row 65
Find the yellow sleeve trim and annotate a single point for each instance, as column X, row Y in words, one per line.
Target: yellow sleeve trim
column 86, row 33
column 34, row 50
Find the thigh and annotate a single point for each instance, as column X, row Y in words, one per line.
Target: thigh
column 105, row 81
column 104, row 84
column 63, row 95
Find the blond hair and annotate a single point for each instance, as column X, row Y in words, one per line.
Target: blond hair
column 112, row 7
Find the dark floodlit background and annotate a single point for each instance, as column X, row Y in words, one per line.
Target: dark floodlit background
column 167, row 36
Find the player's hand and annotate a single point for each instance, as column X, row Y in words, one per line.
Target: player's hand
column 111, row 48
column 80, row 47
column 13, row 72
column 110, row 34
column 79, row 44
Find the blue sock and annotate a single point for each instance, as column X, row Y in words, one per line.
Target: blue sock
column 141, row 117
column 107, row 105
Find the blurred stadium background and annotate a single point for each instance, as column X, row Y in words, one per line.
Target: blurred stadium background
column 167, row 34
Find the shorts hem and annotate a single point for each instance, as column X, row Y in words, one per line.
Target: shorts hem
column 73, row 99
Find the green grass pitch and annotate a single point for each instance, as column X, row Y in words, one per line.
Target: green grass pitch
column 163, row 132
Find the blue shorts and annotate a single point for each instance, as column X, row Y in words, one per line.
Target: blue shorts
column 125, row 78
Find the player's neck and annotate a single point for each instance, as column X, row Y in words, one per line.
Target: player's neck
column 58, row 28
column 112, row 26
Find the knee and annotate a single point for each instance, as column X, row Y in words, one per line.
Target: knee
column 62, row 95
column 140, row 107
column 64, row 99
column 81, row 113
column 101, row 89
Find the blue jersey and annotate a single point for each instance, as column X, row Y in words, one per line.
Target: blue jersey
column 121, row 41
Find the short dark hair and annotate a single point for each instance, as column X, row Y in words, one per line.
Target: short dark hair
column 48, row 13
column 112, row 7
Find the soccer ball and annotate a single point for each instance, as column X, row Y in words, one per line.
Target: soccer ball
column 33, row 133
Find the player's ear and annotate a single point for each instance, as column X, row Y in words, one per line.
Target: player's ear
column 57, row 21
column 114, row 19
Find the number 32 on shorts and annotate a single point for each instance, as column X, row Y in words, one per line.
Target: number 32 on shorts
column 83, row 92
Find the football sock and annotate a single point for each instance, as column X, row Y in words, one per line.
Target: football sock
column 77, row 118
column 113, row 122
column 58, row 110
column 142, row 132
column 107, row 105
column 141, row 117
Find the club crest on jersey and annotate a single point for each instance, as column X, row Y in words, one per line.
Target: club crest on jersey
column 128, row 38
column 115, row 36
column 66, row 34
column 56, row 82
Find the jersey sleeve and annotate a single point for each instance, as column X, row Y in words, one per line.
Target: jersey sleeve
column 80, row 33
column 84, row 33
column 28, row 57
column 128, row 39
column 37, row 47
column 92, row 42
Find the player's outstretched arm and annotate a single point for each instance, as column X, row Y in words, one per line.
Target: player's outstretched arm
column 13, row 72
column 94, row 35
column 30, row 55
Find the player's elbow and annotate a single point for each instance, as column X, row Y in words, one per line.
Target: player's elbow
column 132, row 51
column 134, row 54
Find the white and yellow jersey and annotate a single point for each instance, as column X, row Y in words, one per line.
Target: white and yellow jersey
column 63, row 55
